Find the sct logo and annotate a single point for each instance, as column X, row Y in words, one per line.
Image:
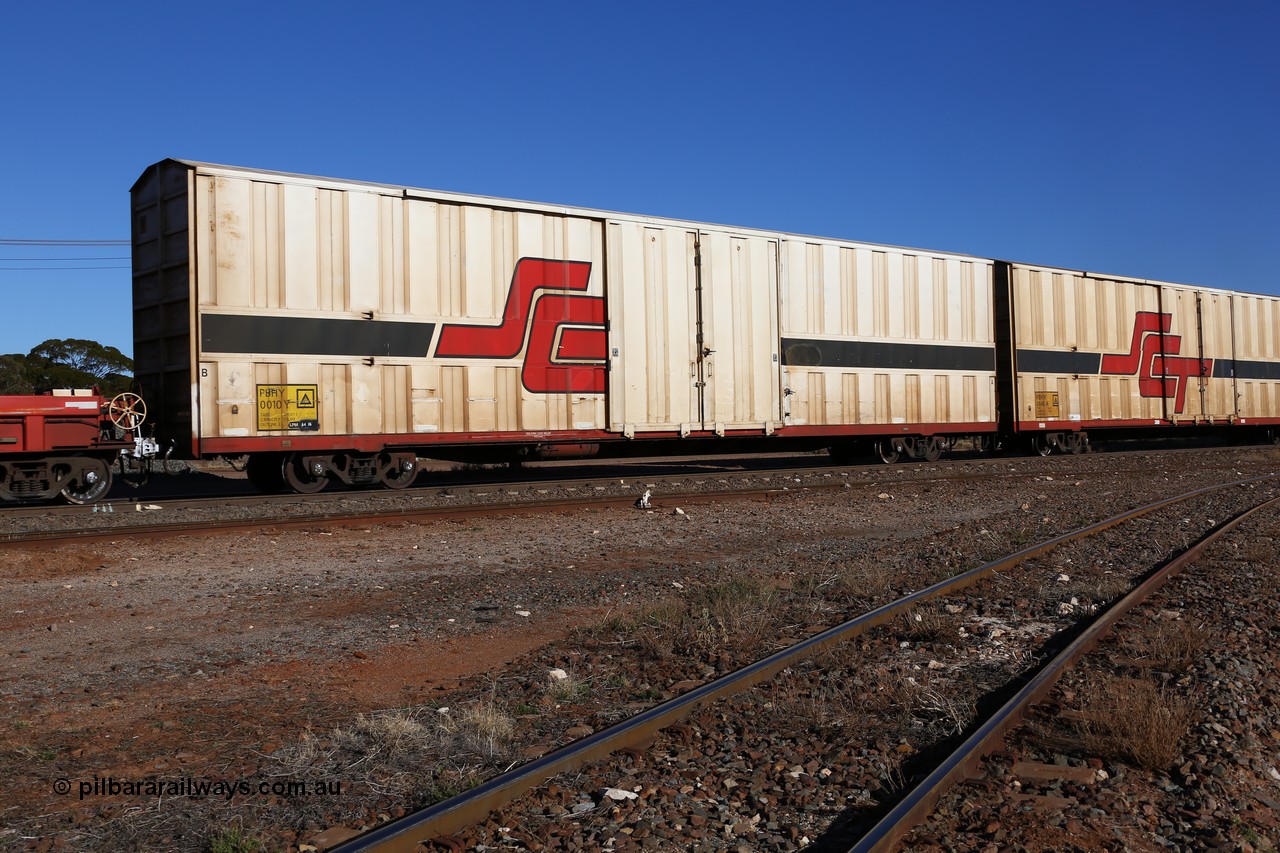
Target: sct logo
column 562, row 335
column 1160, row 374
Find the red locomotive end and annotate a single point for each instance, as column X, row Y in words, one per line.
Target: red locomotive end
column 65, row 443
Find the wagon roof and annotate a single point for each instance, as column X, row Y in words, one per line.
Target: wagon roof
column 520, row 204
column 594, row 213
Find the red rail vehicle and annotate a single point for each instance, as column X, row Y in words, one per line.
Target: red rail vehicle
column 65, row 443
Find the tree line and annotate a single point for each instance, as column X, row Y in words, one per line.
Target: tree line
column 69, row 363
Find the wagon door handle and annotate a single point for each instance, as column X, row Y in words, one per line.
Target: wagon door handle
column 706, row 352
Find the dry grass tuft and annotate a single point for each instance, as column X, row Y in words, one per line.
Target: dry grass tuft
column 825, row 703
column 568, row 689
column 736, row 615
column 404, row 752
column 914, row 699
column 927, row 623
column 1111, row 586
column 483, row 728
column 1256, row 552
column 872, row 583
column 653, row 633
column 233, row 839
column 1138, row 721
column 1178, row 645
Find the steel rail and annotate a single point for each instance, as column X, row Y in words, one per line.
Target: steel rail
column 448, row 816
column 963, row 762
column 52, row 538
column 234, row 493
column 334, row 519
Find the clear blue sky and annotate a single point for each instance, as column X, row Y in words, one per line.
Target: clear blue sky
column 1136, row 138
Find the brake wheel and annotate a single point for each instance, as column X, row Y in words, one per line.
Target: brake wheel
column 127, row 411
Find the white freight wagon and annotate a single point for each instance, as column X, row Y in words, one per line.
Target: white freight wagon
column 339, row 330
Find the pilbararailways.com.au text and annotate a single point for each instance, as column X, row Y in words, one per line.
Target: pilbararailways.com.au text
column 196, row 788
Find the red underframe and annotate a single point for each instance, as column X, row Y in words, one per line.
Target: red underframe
column 374, row 443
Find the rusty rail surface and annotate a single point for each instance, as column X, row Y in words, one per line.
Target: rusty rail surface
column 448, row 816
column 964, row 761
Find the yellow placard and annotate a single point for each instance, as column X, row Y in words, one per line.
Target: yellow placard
column 285, row 407
column 1047, row 404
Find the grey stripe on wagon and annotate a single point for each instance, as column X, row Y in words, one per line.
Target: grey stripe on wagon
column 801, row 352
column 314, row 336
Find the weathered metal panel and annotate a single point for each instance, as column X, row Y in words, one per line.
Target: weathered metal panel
column 693, row 329
column 1255, row 368
column 358, row 289
column 1120, row 350
column 739, row 331
column 1072, row 333
column 1206, row 342
column 898, row 337
column 163, row 209
column 652, row 293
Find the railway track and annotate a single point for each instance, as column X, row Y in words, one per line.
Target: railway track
column 51, row 525
column 455, row 820
column 380, row 627
column 227, row 486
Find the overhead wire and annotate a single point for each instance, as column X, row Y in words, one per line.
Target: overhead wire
column 22, row 264
column 18, row 242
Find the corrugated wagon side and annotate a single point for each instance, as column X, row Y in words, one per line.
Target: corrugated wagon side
column 1090, row 354
column 889, row 347
column 340, row 330
column 331, row 329
column 337, row 330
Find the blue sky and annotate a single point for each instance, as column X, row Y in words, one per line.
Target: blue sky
column 1135, row 138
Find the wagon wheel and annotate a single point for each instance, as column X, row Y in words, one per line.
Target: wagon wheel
column 304, row 477
column 887, row 451
column 127, row 411
column 90, row 483
column 1077, row 443
column 933, row 449
column 394, row 475
column 1040, row 445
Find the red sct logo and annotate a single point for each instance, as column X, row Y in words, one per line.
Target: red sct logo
column 561, row 334
column 1160, row 373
